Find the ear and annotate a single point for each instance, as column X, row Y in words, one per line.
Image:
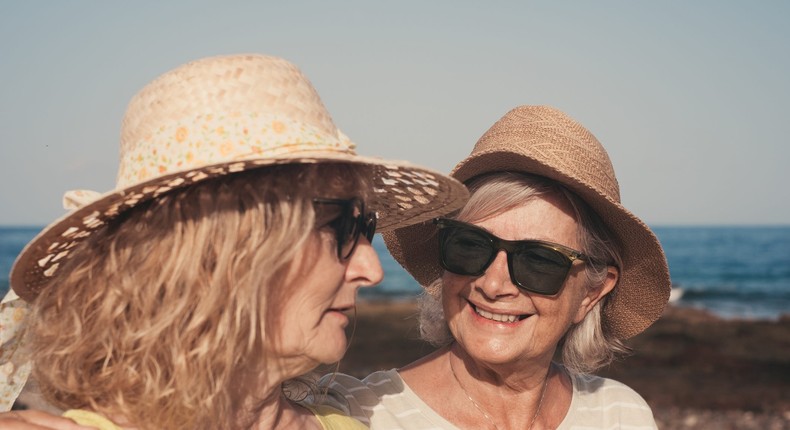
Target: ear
column 594, row 296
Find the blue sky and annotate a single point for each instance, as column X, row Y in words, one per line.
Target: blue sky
column 689, row 98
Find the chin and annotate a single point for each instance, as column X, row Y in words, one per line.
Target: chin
column 332, row 352
column 493, row 351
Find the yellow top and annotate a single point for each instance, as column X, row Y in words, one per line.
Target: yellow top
column 87, row 418
column 330, row 419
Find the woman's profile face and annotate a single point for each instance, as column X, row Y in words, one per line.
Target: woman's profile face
column 478, row 308
column 320, row 294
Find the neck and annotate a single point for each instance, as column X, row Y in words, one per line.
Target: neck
column 269, row 408
column 497, row 395
column 515, row 377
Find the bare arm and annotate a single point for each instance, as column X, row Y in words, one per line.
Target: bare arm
column 37, row 420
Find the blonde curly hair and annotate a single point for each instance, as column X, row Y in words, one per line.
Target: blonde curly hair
column 162, row 316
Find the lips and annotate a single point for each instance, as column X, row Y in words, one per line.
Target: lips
column 498, row 317
column 344, row 314
column 341, row 309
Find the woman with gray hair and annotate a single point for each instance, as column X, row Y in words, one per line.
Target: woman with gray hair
column 529, row 288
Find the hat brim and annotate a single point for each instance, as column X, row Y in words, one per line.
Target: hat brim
column 643, row 288
column 403, row 193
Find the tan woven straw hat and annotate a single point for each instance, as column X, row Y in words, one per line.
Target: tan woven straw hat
column 544, row 141
column 219, row 116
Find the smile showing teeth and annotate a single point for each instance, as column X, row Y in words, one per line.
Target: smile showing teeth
column 496, row 317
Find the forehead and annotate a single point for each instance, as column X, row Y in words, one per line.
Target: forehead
column 547, row 217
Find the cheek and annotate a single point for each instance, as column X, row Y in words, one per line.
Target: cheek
column 452, row 284
column 575, row 301
column 298, row 309
column 287, row 326
column 456, row 289
column 453, row 297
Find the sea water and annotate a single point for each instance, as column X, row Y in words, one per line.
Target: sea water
column 734, row 272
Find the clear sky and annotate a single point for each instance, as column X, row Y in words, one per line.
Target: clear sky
column 690, row 98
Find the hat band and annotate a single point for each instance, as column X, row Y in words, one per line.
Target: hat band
column 218, row 138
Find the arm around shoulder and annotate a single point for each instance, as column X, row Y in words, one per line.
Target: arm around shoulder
column 348, row 395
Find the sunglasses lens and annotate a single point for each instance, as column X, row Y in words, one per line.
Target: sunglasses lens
column 540, row 269
column 534, row 267
column 348, row 231
column 349, row 223
column 370, row 226
column 464, row 251
column 355, row 223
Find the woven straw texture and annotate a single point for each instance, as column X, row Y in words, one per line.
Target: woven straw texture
column 219, row 116
column 544, row 141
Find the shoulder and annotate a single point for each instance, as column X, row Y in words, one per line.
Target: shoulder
column 333, row 419
column 91, row 419
column 596, row 387
column 355, row 397
column 382, row 400
column 607, row 402
column 366, row 391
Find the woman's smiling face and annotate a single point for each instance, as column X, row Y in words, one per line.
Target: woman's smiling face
column 495, row 321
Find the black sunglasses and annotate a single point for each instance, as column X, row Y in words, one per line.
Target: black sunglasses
column 534, row 265
column 352, row 222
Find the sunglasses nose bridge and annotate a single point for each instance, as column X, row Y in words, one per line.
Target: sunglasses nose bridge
column 496, row 281
column 499, row 246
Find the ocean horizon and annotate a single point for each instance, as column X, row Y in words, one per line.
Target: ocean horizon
column 731, row 271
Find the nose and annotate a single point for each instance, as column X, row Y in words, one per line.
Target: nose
column 364, row 267
column 496, row 282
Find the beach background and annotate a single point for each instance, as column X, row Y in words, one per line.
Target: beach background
column 690, row 100
column 719, row 358
column 732, row 273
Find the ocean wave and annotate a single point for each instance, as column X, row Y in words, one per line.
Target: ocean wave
column 736, row 294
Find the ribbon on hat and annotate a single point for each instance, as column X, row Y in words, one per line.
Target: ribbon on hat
column 15, row 363
column 75, row 199
column 14, row 357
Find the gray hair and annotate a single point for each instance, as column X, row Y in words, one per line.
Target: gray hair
column 586, row 346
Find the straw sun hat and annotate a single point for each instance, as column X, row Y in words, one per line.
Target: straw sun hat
column 544, row 141
column 219, row 116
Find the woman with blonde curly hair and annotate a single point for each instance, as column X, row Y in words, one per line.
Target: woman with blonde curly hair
column 221, row 267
